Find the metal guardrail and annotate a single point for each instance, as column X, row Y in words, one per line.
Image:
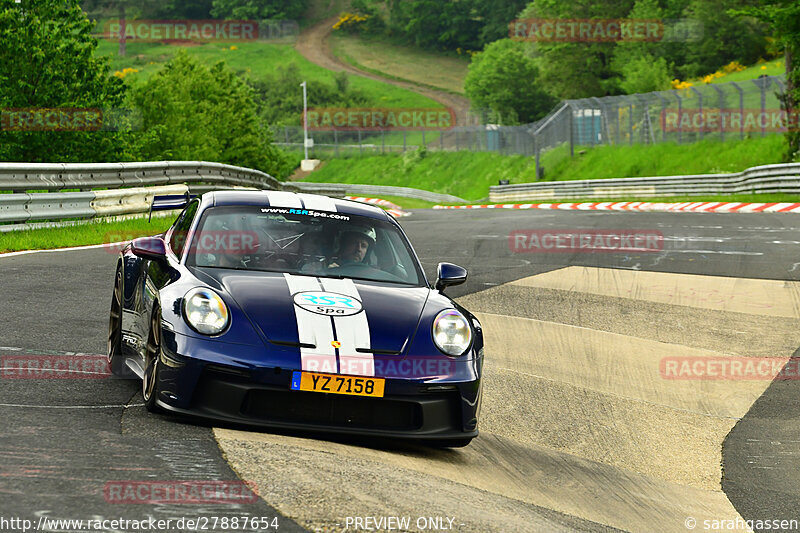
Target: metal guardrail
column 762, row 179
column 26, row 208
column 23, row 177
column 109, row 189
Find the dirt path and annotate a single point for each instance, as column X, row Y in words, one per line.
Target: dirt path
column 312, row 43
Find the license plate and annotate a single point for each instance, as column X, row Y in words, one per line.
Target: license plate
column 338, row 384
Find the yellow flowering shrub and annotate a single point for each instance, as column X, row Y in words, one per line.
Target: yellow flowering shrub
column 733, row 66
column 124, row 72
column 350, row 21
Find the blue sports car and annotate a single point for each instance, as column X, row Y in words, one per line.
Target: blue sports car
column 295, row 311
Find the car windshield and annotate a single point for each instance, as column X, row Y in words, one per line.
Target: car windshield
column 303, row 242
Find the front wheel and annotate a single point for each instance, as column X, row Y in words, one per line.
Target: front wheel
column 116, row 359
column 151, row 363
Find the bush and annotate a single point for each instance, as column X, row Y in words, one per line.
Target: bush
column 193, row 112
column 504, row 79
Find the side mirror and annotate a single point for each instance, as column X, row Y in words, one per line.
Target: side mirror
column 149, row 248
column 448, row 274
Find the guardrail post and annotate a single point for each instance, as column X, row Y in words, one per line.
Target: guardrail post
column 404, row 141
column 383, row 141
column 360, row 148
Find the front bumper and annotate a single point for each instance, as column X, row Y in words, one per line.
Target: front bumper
column 218, row 388
column 410, row 413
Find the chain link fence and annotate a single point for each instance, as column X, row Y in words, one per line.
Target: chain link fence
column 722, row 111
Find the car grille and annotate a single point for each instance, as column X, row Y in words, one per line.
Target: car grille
column 331, row 410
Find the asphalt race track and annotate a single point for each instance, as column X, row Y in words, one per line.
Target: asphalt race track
column 583, row 425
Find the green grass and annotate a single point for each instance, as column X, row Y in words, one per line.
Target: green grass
column 666, row 159
column 774, row 67
column 94, row 232
column 259, row 60
column 469, row 174
column 401, row 62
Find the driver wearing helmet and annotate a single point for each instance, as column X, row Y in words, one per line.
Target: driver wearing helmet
column 354, row 243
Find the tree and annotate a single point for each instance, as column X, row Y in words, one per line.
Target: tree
column 577, row 69
column 783, row 17
column 47, row 60
column 506, row 80
column 124, row 9
column 193, row 112
column 495, row 17
column 638, row 63
column 280, row 100
column 725, row 38
column 438, row 24
column 259, row 9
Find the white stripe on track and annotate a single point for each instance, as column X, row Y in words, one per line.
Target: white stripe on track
column 72, row 406
column 88, row 247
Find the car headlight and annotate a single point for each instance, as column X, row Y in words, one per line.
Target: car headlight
column 451, row 332
column 205, row 311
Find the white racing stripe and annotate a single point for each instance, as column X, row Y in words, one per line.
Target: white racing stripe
column 313, row 329
column 352, row 331
column 318, row 203
column 283, row 199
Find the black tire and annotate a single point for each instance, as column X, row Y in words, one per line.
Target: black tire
column 116, row 360
column 451, row 443
column 151, row 363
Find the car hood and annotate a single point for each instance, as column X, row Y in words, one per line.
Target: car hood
column 276, row 302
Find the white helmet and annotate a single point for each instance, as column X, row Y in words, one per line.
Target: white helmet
column 363, row 231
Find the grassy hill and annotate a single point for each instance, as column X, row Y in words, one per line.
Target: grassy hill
column 402, row 62
column 257, row 59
